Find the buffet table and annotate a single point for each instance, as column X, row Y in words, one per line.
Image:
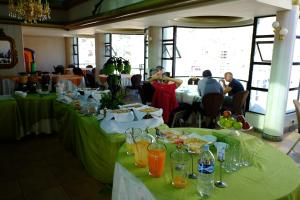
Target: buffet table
column 10, row 119
column 273, row 175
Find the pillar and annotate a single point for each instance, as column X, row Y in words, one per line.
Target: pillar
column 99, row 51
column 282, row 59
column 154, row 47
column 69, row 50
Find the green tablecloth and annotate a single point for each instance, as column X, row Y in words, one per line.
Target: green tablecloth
column 10, row 120
column 35, row 107
column 272, row 176
column 82, row 134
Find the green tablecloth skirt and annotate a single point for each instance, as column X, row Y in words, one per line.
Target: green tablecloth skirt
column 273, row 175
column 10, row 120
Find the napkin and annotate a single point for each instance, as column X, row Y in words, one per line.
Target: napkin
column 21, row 94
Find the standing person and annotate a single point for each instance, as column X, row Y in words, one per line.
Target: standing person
column 208, row 84
column 232, row 88
column 164, row 95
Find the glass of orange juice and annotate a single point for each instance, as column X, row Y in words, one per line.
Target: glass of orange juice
column 156, row 159
column 141, row 143
column 130, row 134
column 180, row 161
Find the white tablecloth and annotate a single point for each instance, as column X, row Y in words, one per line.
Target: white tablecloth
column 126, row 80
column 127, row 187
column 112, row 126
column 7, row 87
column 188, row 94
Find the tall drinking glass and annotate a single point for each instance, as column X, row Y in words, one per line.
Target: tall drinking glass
column 156, row 159
column 180, row 161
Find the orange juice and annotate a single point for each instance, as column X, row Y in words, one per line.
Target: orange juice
column 156, row 160
column 179, row 182
column 140, row 153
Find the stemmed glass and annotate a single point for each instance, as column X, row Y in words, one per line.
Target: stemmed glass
column 221, row 159
column 192, row 152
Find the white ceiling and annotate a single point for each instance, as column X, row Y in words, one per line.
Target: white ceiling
column 246, row 9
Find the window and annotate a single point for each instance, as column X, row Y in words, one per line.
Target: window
column 260, row 68
column 86, row 47
column 217, row 49
column 75, row 52
column 130, row 47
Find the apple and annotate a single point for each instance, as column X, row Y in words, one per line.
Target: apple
column 227, row 113
column 228, row 124
column 237, row 125
column 240, row 118
column 246, row 125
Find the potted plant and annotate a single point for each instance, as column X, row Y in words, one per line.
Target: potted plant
column 113, row 67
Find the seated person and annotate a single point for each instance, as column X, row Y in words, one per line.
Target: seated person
column 164, row 95
column 231, row 89
column 208, row 84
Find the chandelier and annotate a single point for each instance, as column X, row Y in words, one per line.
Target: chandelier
column 31, row 11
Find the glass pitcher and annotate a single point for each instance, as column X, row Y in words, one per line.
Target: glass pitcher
column 141, row 143
column 180, row 164
column 130, row 134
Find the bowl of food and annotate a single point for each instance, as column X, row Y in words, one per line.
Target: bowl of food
column 123, row 115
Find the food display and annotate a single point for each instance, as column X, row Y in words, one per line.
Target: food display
column 194, row 144
column 229, row 122
column 134, row 105
column 149, row 109
column 119, row 111
column 171, row 135
column 76, row 104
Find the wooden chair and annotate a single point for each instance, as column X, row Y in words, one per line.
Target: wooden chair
column 239, row 103
column 297, row 106
column 211, row 107
column 178, row 120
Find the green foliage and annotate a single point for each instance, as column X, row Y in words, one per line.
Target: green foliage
column 107, row 101
column 116, row 64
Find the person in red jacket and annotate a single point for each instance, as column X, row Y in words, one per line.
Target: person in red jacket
column 164, row 96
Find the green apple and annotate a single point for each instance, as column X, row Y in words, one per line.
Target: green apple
column 228, row 124
column 237, row 125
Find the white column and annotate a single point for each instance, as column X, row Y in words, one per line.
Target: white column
column 154, row 48
column 99, row 51
column 69, row 50
column 280, row 75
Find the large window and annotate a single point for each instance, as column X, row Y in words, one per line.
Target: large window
column 86, row 48
column 130, row 47
column 84, row 52
column 261, row 67
column 217, row 49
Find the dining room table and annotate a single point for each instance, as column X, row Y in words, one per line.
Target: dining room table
column 272, row 174
column 188, row 94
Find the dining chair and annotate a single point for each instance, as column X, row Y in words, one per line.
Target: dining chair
column 146, row 92
column 193, row 81
column 136, row 80
column 239, row 103
column 178, row 119
column 210, row 109
column 297, row 107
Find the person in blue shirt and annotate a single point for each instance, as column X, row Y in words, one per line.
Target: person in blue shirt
column 231, row 89
column 208, row 84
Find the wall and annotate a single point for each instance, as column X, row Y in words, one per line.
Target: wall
column 49, row 51
column 15, row 32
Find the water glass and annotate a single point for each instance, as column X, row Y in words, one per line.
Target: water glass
column 180, row 164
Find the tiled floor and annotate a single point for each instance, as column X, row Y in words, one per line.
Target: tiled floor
column 39, row 168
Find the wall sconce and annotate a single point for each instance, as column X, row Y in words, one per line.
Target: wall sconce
column 280, row 31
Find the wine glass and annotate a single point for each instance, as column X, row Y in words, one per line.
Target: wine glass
column 221, row 159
